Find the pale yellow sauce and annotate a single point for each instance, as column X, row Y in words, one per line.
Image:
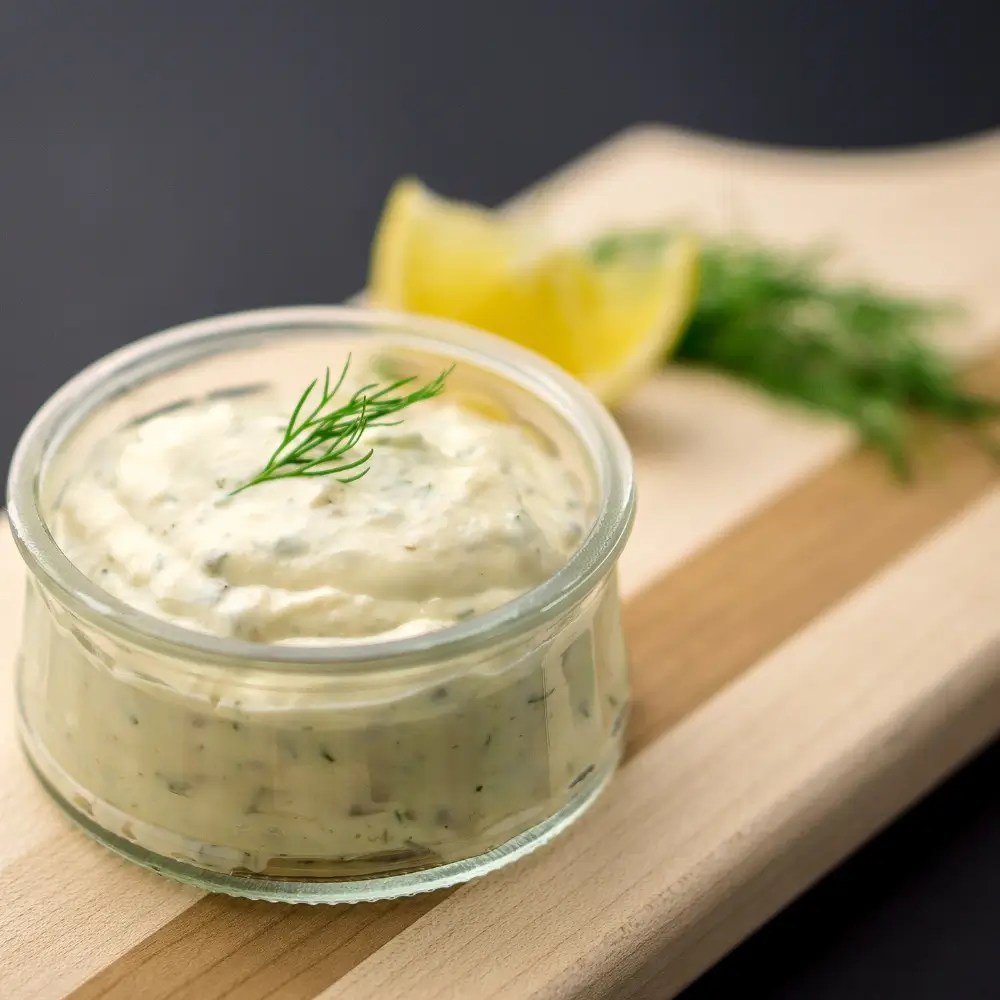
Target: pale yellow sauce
column 456, row 515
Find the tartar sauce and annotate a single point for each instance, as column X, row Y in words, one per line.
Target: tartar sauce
column 296, row 774
column 457, row 515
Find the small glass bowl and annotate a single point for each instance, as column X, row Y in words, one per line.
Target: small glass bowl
column 334, row 772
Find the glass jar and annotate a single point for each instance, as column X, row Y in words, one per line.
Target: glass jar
column 337, row 771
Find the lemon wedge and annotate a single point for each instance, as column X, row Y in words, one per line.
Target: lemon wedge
column 609, row 323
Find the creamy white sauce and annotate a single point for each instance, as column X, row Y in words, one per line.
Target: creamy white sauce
column 293, row 773
column 457, row 515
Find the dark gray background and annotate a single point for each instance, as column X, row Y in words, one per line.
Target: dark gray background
column 165, row 161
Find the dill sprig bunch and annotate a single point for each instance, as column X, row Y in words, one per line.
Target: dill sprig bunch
column 773, row 319
column 318, row 443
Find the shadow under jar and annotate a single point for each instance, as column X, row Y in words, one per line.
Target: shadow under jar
column 326, row 771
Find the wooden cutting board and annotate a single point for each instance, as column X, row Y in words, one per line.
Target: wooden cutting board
column 813, row 648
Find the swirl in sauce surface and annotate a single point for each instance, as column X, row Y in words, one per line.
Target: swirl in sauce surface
column 457, row 515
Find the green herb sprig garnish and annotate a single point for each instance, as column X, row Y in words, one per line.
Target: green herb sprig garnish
column 319, row 442
column 774, row 319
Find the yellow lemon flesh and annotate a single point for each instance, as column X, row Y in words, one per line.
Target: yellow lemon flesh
column 610, row 324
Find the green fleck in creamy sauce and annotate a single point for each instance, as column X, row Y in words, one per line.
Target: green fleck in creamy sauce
column 309, row 775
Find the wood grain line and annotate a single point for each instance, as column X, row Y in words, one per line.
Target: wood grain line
column 691, row 633
column 224, row 948
column 701, row 626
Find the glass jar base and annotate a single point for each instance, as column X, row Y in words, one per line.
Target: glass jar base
column 316, row 891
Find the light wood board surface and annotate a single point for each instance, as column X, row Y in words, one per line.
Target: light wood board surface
column 813, row 648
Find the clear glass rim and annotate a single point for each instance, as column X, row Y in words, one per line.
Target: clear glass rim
column 160, row 352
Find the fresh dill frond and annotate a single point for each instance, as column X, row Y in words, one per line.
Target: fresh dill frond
column 319, row 443
column 773, row 319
